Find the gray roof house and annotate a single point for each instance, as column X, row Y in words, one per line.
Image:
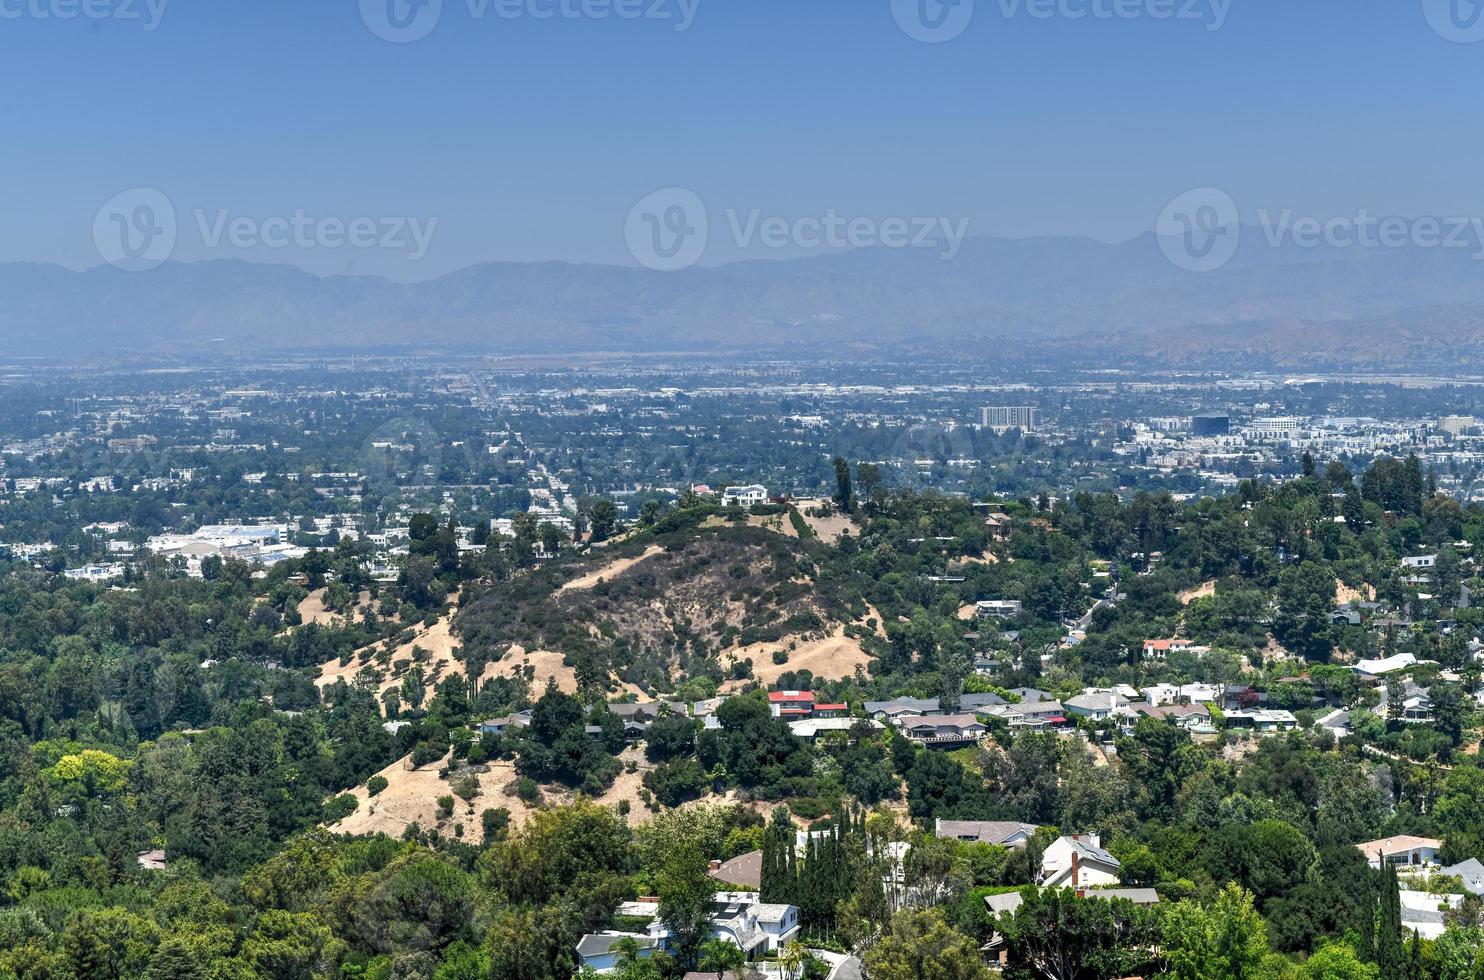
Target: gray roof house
column 1472, row 873
column 1009, row 833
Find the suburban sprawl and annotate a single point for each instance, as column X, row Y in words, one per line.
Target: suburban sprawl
column 440, row 668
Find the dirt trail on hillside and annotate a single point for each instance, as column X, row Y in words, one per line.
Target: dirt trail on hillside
column 610, row 571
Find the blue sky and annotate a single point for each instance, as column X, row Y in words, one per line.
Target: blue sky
column 530, row 138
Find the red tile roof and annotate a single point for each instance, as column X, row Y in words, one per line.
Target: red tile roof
column 776, row 696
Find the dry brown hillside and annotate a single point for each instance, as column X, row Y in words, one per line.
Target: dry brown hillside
column 648, row 612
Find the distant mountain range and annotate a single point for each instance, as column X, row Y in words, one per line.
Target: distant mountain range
column 1286, row 305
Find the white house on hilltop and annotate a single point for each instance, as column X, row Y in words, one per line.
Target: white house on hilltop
column 744, row 496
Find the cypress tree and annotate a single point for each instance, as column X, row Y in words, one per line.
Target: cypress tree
column 1391, row 954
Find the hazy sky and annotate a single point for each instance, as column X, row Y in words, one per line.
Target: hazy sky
column 530, row 137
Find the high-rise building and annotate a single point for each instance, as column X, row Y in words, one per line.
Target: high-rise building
column 1001, row 418
column 1210, row 425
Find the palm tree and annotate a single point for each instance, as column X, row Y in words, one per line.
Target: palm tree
column 721, row 955
column 625, row 950
column 792, row 957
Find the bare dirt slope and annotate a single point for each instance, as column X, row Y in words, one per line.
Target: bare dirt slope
column 828, row 529
column 610, row 571
column 434, row 647
column 834, row 657
column 1199, row 592
column 411, row 796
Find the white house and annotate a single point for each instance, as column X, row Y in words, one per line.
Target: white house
column 757, row 928
column 1420, row 561
column 1386, row 665
column 1160, row 649
column 1079, row 861
column 744, row 496
column 998, row 608
column 1262, row 720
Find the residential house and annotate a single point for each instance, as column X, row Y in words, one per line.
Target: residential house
column 998, row 608
column 902, row 707
column 811, row 728
column 744, row 496
column 499, row 726
column 1160, row 649
column 1262, row 720
column 597, row 950
column 1191, row 717
column 757, row 928
column 1079, row 861
column 1038, row 713
column 744, row 870
column 1098, row 705
column 1006, row 833
column 944, row 729
column 1417, row 708
column 1385, row 665
column 1403, row 851
column 791, row 704
column 998, row 524
column 1472, row 873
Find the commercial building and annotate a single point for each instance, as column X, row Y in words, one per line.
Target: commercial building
column 1002, row 418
